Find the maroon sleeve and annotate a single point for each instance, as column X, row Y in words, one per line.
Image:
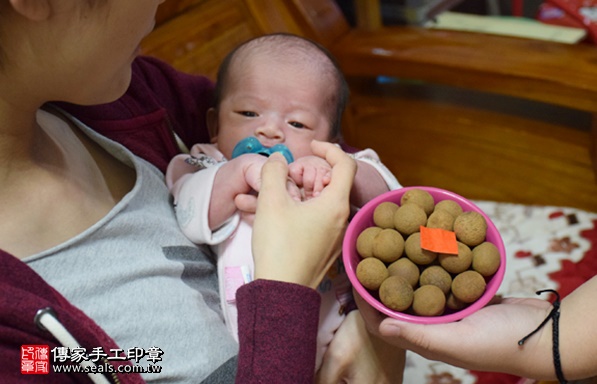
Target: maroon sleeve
column 23, row 294
column 277, row 327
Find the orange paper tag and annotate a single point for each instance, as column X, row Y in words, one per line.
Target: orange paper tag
column 439, row 240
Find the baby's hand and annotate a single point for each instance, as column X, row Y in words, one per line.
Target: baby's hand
column 312, row 173
column 252, row 164
column 251, row 169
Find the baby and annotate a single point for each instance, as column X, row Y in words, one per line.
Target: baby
column 278, row 92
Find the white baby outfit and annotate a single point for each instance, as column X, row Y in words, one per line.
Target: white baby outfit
column 190, row 178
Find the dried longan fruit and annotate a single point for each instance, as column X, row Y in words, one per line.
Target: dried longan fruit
column 448, row 205
column 365, row 241
column 428, row 300
column 468, row 286
column 409, row 218
column 456, row 263
column 405, row 268
column 486, row 258
column 470, row 228
column 396, row 293
column 418, row 255
column 441, row 219
column 383, row 215
column 436, row 275
column 371, row 272
column 420, row 197
column 388, row 245
column 454, row 304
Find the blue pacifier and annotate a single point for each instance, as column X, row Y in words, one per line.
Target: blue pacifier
column 252, row 145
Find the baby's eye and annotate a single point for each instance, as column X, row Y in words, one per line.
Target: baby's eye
column 247, row 113
column 296, row 124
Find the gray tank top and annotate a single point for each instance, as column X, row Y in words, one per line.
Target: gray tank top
column 143, row 281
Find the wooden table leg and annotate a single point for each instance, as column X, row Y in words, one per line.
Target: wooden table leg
column 368, row 14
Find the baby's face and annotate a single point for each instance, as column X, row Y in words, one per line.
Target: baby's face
column 277, row 104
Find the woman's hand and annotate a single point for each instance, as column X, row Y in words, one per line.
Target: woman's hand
column 296, row 241
column 486, row 340
column 355, row 356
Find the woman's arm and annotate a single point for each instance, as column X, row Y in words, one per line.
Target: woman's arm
column 294, row 244
column 488, row 339
column 356, row 356
column 277, row 330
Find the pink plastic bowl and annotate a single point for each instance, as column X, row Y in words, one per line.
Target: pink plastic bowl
column 364, row 219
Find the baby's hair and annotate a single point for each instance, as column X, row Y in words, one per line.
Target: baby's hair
column 304, row 51
column 4, row 5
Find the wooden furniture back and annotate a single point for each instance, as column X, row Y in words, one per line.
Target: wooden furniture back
column 488, row 117
column 537, row 70
column 195, row 35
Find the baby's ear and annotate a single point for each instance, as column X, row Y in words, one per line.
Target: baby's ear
column 35, row 10
column 212, row 124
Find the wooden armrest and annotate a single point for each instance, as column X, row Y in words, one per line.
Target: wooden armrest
column 543, row 71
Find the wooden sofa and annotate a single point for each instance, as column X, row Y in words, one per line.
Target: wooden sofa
column 488, row 117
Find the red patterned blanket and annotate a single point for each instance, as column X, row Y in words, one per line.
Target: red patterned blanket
column 547, row 248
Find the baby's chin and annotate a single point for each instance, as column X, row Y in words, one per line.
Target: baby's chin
column 299, row 154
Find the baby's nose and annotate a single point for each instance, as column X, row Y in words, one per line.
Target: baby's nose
column 271, row 130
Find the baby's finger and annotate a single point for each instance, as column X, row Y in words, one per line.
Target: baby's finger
column 343, row 167
column 295, row 172
column 246, row 203
column 293, row 190
column 320, row 181
column 309, row 180
column 326, row 177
